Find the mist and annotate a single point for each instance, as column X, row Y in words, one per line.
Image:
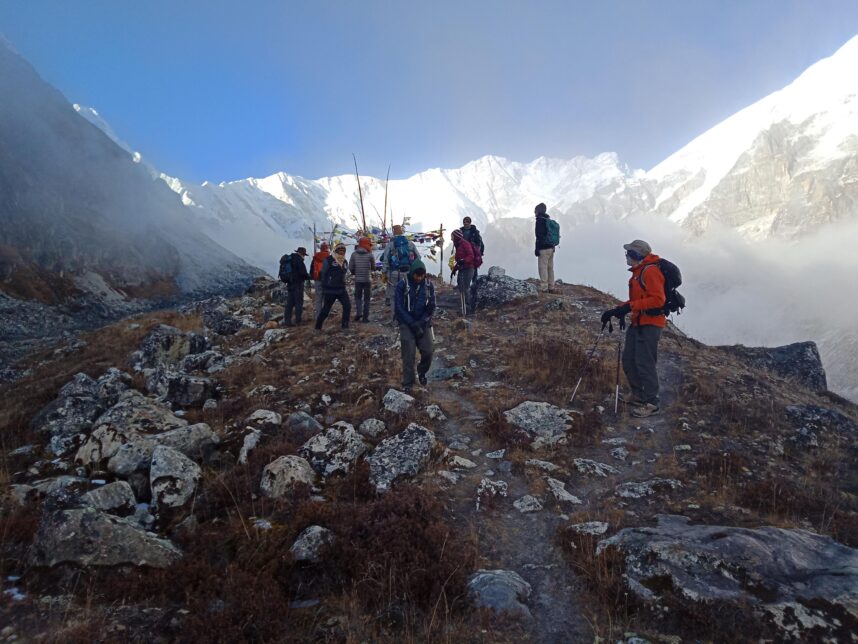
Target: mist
column 765, row 293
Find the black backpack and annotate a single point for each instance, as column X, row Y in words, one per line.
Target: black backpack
column 674, row 300
column 285, row 273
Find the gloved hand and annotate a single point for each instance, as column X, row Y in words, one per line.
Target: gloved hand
column 618, row 312
column 416, row 329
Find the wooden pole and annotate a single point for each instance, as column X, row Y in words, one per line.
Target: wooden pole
column 441, row 273
column 360, row 194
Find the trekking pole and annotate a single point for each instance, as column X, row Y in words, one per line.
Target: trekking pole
column 462, row 299
column 617, row 389
column 587, row 364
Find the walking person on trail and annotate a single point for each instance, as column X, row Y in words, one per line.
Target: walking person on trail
column 316, row 275
column 646, row 304
column 472, row 234
column 467, row 262
column 361, row 265
column 334, row 273
column 547, row 239
column 414, row 304
column 294, row 274
column 398, row 255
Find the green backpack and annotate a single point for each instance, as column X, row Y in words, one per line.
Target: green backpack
column 552, row 232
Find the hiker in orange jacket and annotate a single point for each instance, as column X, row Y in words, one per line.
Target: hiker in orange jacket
column 316, row 275
column 645, row 303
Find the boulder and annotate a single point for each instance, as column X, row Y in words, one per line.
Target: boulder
column 221, row 322
column 397, row 402
column 558, row 489
column 265, row 418
column 88, row 537
column 502, row 591
column 592, row 468
column 798, row 362
column 282, row 476
column 334, row 450
column 544, row 424
column 803, row 585
column 302, row 426
column 309, row 543
column 527, row 503
column 209, row 361
column 495, row 289
column 167, row 345
column 187, row 391
column 113, row 498
column 173, row 478
column 372, row 428
column 402, row 455
column 434, row 412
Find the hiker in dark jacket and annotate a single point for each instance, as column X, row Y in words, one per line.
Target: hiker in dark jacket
column 414, row 304
column 465, row 267
column 361, row 265
column 544, row 250
column 334, row 272
column 295, row 287
column 396, row 260
column 472, row 234
column 645, row 303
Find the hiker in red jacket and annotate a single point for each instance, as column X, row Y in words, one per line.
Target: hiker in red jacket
column 646, row 305
column 467, row 262
column 316, row 275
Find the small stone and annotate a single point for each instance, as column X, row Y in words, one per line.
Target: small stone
column 498, row 454
column 593, row 468
column 263, row 417
column 308, row 545
column 372, row 427
column 590, row 527
column 397, row 402
column 527, row 503
column 682, row 448
column 435, row 413
column 545, row 466
column 620, row 453
column 450, row 477
column 251, row 440
column 460, row 462
column 558, row 489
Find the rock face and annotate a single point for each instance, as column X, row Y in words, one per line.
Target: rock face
column 502, row 591
column 544, row 423
column 802, row 584
column 309, row 543
column 87, row 537
column 798, row 362
column 496, row 289
column 813, row 423
column 282, row 475
column 399, row 456
column 173, row 478
column 167, row 345
column 335, row 450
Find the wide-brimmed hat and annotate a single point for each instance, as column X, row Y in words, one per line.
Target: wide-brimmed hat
column 301, row 251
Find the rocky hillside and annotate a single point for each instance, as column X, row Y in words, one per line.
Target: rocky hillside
column 206, row 474
column 86, row 233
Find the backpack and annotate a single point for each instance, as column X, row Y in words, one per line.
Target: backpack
column 285, row 273
column 674, row 300
column 316, row 269
column 552, row 233
column 401, row 256
column 478, row 257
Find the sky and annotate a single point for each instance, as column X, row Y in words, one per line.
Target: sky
column 217, row 90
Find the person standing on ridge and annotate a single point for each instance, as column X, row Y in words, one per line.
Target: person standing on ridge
column 361, row 265
column 316, row 275
column 334, row 272
column 547, row 238
column 294, row 274
column 472, row 234
column 414, row 305
column 396, row 260
column 465, row 266
column 646, row 304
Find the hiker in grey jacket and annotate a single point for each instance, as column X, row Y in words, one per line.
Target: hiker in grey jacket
column 361, row 265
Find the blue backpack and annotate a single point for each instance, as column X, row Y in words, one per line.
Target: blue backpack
column 552, row 233
column 401, row 257
column 285, row 273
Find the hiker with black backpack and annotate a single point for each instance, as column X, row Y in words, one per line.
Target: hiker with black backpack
column 647, row 304
column 294, row 274
column 396, row 260
column 334, row 273
column 547, row 239
column 414, row 305
column 472, row 234
column 468, row 260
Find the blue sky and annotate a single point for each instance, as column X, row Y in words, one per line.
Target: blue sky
column 217, row 90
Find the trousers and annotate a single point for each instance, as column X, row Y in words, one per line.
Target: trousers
column 640, row 355
column 330, row 298
column 362, row 295
column 409, row 345
column 545, row 264
column 294, row 301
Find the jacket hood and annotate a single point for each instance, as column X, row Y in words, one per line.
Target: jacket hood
column 414, row 266
column 652, row 258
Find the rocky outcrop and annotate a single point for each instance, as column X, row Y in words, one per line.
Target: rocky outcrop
column 282, row 476
column 402, row 455
column 335, row 450
column 543, row 423
column 497, row 289
column 501, row 591
column 803, row 584
column 814, row 423
column 798, row 362
column 167, row 345
column 88, row 537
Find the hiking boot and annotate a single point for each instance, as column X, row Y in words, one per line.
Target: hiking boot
column 644, row 411
column 288, row 324
column 408, row 389
column 421, row 378
column 357, row 318
column 631, row 399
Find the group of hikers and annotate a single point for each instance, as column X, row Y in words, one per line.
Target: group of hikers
column 411, row 296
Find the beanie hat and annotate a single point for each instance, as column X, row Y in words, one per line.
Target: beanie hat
column 365, row 243
column 338, row 247
column 397, row 229
column 540, row 209
column 324, row 247
column 640, row 247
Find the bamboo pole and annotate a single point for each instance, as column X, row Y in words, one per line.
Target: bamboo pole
column 360, row 194
column 441, row 273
